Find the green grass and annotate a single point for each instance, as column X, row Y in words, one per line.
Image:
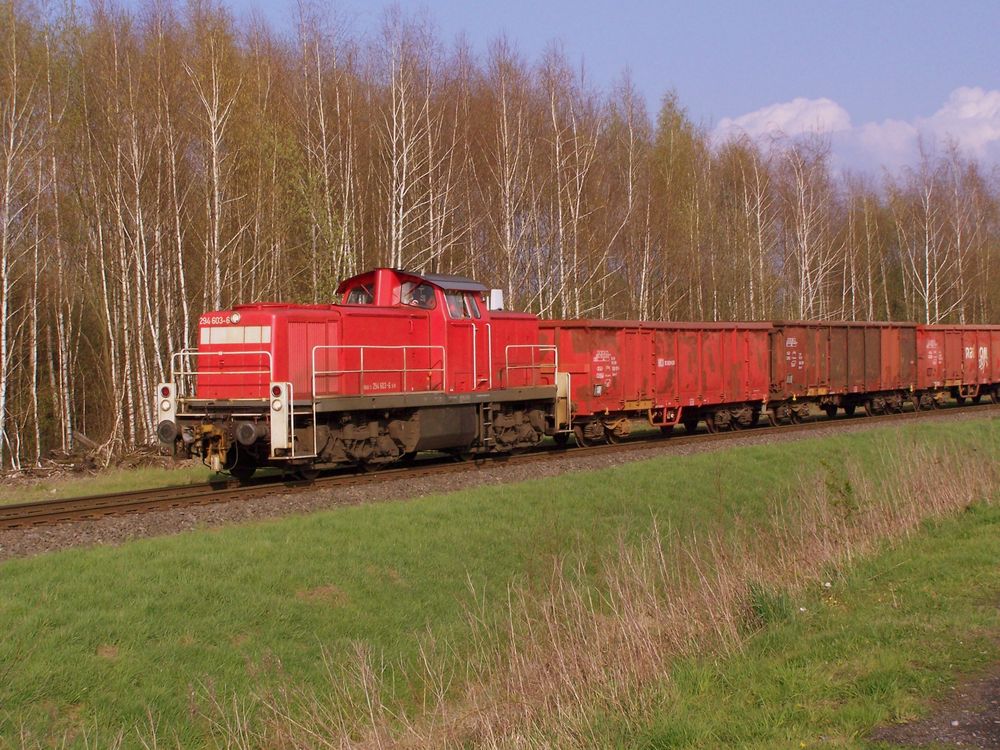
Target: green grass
column 893, row 632
column 103, row 482
column 97, row 636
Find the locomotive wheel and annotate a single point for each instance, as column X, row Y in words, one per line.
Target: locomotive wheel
column 240, row 464
column 243, row 472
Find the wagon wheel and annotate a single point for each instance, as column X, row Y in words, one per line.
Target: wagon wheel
column 611, row 438
column 735, row 424
column 849, row 409
column 960, row 400
column 995, row 395
column 306, row 473
column 977, row 398
column 561, row 439
column 691, row 425
column 794, row 417
column 667, row 430
column 869, row 409
column 710, row 423
column 581, row 437
column 831, row 410
column 755, row 419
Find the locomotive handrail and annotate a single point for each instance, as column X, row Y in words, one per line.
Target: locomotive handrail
column 179, row 373
column 362, row 371
column 532, row 365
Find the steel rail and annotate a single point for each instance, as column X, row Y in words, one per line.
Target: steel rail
column 45, row 512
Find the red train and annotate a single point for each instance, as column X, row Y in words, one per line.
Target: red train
column 407, row 363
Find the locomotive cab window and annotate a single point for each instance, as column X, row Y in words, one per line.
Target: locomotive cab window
column 362, row 294
column 462, row 306
column 473, row 305
column 417, row 295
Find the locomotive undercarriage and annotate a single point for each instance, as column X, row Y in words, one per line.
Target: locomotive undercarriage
column 238, row 441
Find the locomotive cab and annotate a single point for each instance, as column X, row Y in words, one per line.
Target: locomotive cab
column 403, row 362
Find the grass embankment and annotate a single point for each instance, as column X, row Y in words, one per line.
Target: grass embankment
column 889, row 634
column 424, row 590
column 103, row 482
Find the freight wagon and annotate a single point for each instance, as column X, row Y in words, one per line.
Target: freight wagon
column 664, row 373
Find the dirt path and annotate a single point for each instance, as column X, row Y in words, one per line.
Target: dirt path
column 968, row 717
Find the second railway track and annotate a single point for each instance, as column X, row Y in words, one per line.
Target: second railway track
column 46, row 512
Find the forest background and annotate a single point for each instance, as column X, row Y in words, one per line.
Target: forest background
column 169, row 159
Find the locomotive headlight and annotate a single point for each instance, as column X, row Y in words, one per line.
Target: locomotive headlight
column 234, row 318
column 276, row 404
column 165, row 404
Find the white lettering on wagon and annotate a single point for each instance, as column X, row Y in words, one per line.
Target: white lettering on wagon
column 605, row 366
column 933, row 353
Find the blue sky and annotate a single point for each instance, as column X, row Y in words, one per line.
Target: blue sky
column 890, row 70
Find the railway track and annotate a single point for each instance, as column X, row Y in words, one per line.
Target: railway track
column 45, row 512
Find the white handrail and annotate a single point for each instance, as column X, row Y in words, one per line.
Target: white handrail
column 403, row 371
column 532, row 365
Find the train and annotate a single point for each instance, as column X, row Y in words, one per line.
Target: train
column 406, row 362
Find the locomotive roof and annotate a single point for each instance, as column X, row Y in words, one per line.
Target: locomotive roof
column 446, row 281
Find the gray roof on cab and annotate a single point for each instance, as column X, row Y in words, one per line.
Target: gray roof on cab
column 453, row 283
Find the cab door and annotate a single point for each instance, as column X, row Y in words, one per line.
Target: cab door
column 468, row 342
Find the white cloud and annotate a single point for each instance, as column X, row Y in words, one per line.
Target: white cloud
column 970, row 117
column 797, row 117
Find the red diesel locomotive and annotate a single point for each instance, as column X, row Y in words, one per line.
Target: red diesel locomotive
column 408, row 362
